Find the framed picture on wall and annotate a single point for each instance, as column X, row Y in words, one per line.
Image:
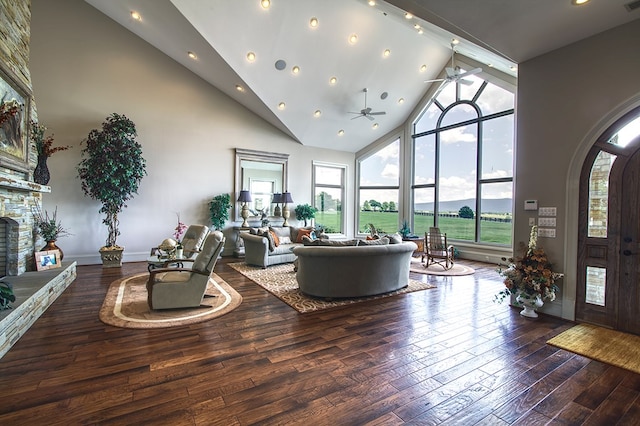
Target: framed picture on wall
column 47, row 260
column 14, row 121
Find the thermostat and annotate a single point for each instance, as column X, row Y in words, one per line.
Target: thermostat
column 531, row 204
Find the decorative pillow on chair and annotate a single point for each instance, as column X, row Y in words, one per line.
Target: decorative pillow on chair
column 303, row 232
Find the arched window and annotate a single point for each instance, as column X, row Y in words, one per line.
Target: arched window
column 463, row 163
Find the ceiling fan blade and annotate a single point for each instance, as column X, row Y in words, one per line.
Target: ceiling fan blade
column 377, row 113
column 468, row 73
column 465, row 82
column 358, row 116
column 433, row 81
column 369, row 117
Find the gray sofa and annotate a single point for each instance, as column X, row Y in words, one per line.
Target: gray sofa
column 257, row 249
column 355, row 271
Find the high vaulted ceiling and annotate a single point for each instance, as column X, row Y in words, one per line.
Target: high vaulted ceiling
column 493, row 34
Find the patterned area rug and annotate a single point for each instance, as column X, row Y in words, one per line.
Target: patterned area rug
column 608, row 346
column 280, row 280
column 125, row 305
column 457, row 269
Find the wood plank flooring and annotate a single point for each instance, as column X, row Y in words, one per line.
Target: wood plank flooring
column 443, row 356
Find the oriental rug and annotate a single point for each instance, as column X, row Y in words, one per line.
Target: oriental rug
column 602, row 344
column 125, row 305
column 458, row 269
column 280, row 280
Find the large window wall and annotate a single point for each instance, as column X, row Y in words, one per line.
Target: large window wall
column 329, row 196
column 462, row 147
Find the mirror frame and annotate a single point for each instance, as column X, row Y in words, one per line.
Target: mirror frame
column 259, row 156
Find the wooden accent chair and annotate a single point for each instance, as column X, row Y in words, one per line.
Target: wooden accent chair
column 169, row 288
column 437, row 250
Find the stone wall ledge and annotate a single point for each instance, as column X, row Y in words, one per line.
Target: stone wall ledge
column 23, row 185
column 35, row 292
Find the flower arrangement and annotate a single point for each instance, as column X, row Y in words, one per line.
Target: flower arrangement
column 44, row 144
column 48, row 226
column 9, row 109
column 179, row 231
column 531, row 275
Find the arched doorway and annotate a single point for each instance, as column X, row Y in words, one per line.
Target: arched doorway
column 608, row 281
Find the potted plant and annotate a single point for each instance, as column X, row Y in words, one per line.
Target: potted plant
column 219, row 210
column 111, row 170
column 49, row 228
column 305, row 212
column 529, row 277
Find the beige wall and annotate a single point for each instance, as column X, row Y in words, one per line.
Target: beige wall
column 84, row 66
column 566, row 99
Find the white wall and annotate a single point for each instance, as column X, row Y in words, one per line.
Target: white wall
column 84, row 66
column 566, row 99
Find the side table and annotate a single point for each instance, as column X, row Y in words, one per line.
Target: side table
column 238, row 251
column 419, row 252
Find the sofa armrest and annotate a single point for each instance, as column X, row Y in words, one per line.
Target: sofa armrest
column 256, row 249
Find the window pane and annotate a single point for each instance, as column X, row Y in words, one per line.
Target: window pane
column 497, row 148
column 423, row 199
column 496, row 212
column 457, row 181
column 424, row 160
column 495, row 99
column 596, row 285
column 467, row 92
column 382, row 168
column 372, row 210
column 328, row 175
column 328, row 201
column 427, row 120
column 626, row 134
column 599, row 195
column 448, row 95
column 458, row 114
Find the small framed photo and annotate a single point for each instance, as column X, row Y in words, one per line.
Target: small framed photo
column 47, row 260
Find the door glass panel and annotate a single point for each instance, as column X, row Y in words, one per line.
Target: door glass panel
column 596, row 285
column 626, row 134
column 599, row 194
column 423, row 199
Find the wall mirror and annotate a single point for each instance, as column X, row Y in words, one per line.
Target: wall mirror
column 262, row 174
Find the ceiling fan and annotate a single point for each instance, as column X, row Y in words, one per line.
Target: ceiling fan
column 454, row 74
column 366, row 112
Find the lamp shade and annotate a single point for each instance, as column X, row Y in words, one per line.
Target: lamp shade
column 244, row 197
column 286, row 197
column 277, row 198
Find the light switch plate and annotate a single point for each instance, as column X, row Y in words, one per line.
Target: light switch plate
column 547, row 211
column 547, row 232
column 547, row 221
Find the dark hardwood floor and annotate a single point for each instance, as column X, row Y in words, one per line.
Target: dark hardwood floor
column 443, row 356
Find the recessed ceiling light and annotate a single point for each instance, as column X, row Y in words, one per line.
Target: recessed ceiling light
column 135, row 15
column 192, row 55
column 251, row 56
column 420, row 31
column 375, row 125
column 513, row 68
column 455, row 41
column 239, row 88
column 281, row 105
column 408, row 15
column 401, row 100
column 333, row 80
column 317, row 113
column 353, row 38
column 386, row 53
column 340, row 132
column 416, row 26
column 313, row 23
column 578, row 2
column 372, row 2
column 423, row 68
column 265, row 3
column 295, row 69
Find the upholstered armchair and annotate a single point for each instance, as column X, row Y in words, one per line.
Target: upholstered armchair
column 169, row 288
column 191, row 242
column 437, row 250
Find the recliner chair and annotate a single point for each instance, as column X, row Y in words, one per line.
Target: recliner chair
column 169, row 288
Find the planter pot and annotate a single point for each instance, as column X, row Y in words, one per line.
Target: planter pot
column 529, row 304
column 51, row 245
column 111, row 256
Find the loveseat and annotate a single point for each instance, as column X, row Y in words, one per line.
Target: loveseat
column 262, row 249
column 353, row 271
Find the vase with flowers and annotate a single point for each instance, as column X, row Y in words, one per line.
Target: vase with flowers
column 178, row 233
column 49, row 228
column 529, row 277
column 45, row 149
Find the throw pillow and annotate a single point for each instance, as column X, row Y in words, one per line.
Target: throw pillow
column 394, row 238
column 276, row 240
column 282, row 233
column 379, row 242
column 269, row 237
column 303, row 233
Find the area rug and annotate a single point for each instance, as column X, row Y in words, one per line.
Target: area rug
column 280, row 280
column 457, row 269
column 608, row 346
column 125, row 305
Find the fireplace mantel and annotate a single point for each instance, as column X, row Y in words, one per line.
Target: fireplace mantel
column 22, row 185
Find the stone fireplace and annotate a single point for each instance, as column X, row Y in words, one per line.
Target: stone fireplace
column 9, row 236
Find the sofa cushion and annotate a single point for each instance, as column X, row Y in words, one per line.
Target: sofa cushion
column 379, row 242
column 283, row 233
column 394, row 238
column 328, row 243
